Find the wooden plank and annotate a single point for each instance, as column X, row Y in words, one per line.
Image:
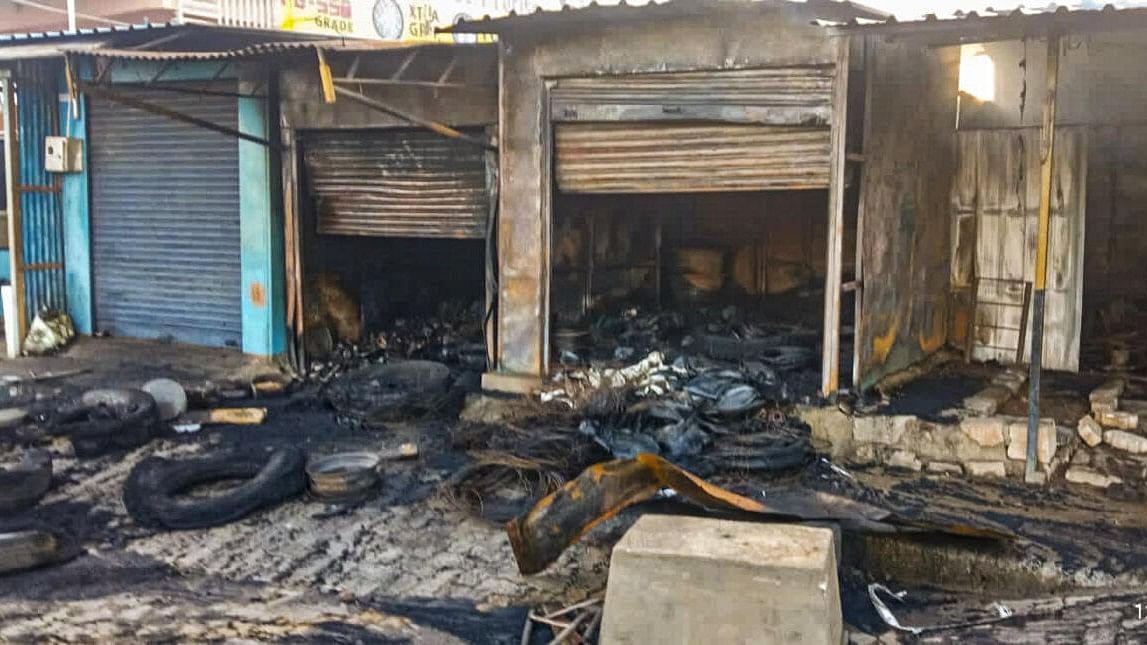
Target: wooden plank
column 830, row 362
column 15, row 220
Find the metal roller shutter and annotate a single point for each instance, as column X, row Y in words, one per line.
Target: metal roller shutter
column 399, row 183
column 692, row 132
column 689, row 157
column 774, row 96
column 165, row 221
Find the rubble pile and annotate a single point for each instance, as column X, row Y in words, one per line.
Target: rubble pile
column 452, row 336
column 703, row 415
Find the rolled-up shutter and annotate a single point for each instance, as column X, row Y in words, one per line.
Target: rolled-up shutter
column 764, row 129
column 165, row 220
column 397, row 183
column 667, row 157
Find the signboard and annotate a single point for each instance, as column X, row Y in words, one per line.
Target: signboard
column 413, row 20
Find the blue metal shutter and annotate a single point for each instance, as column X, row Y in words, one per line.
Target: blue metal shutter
column 165, row 221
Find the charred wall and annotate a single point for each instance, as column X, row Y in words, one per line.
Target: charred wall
column 468, row 97
column 910, row 158
column 729, row 39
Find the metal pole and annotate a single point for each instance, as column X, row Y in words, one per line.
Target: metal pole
column 1047, row 152
column 429, row 124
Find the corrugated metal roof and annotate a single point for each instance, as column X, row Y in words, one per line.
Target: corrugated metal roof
column 612, row 10
column 256, row 50
column 19, row 37
column 1017, row 20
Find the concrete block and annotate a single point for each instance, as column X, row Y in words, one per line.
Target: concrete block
column 1045, row 440
column 1111, row 389
column 945, row 468
column 1100, row 407
column 1037, row 478
column 1090, row 431
column 988, row 400
column 905, row 459
column 985, row 431
column 886, row 430
column 1081, row 475
column 694, row 580
column 865, row 455
column 511, row 383
column 1118, row 419
column 829, row 425
column 986, row 469
column 1126, row 441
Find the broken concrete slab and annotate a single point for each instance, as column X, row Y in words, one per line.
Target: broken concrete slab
column 905, row 459
column 1081, row 475
column 1126, row 441
column 986, row 469
column 1118, row 419
column 887, row 430
column 944, row 468
column 1111, row 389
column 1090, row 431
column 695, row 580
column 985, row 431
column 1045, row 440
column 987, row 401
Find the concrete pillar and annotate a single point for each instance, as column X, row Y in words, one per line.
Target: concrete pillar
column 697, row 580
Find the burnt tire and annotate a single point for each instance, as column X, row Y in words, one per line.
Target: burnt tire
column 23, row 485
column 108, row 421
column 153, row 493
column 30, row 545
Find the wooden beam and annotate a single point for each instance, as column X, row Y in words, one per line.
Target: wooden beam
column 830, row 360
column 858, row 323
column 1046, row 165
column 325, row 77
column 15, row 218
column 429, row 124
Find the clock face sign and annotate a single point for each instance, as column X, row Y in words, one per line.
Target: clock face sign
column 388, row 21
column 464, row 38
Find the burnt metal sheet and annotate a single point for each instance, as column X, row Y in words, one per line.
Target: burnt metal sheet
column 165, row 220
column 776, row 96
column 672, row 157
column 906, row 206
column 398, row 183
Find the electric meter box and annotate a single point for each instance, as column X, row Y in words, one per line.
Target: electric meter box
column 63, row 154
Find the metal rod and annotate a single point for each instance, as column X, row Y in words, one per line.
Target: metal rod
column 433, row 126
column 350, row 80
column 1047, row 158
column 1024, row 323
column 175, row 115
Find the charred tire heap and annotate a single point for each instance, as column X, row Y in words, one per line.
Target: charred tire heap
column 23, row 485
column 153, row 491
column 109, row 420
column 392, row 391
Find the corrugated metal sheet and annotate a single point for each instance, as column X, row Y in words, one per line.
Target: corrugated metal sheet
column 399, row 183
column 599, row 12
column 165, row 221
column 259, row 49
column 673, row 157
column 779, row 96
column 1004, row 166
column 41, row 211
